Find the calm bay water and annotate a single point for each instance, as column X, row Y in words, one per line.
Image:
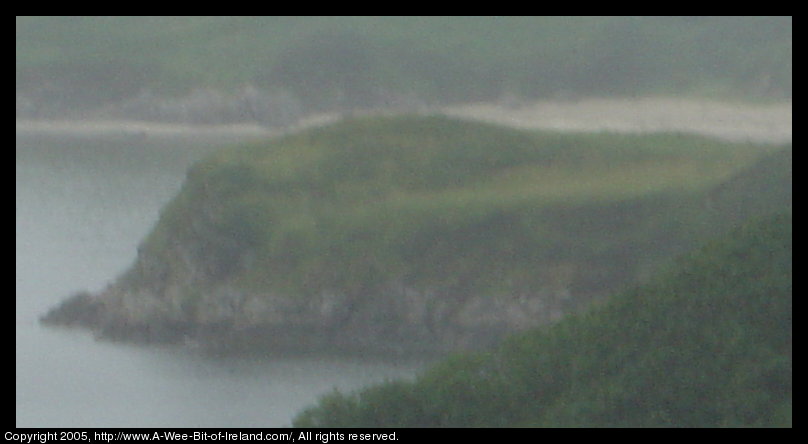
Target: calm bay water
column 83, row 203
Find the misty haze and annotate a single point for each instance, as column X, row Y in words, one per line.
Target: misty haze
column 265, row 222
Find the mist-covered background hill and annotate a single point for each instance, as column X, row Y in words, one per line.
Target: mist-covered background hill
column 274, row 69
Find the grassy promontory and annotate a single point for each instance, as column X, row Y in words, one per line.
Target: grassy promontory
column 433, row 200
column 413, row 232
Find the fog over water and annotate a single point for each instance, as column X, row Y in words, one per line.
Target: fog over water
column 82, row 206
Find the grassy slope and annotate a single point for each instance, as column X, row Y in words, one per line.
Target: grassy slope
column 435, row 203
column 707, row 343
column 457, row 58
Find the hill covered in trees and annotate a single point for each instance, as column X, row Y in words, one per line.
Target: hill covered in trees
column 270, row 69
column 706, row 343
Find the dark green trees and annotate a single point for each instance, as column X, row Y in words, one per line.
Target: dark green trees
column 706, row 344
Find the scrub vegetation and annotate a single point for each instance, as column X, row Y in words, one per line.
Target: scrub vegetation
column 706, row 343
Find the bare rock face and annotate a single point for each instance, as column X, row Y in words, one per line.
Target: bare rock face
column 396, row 319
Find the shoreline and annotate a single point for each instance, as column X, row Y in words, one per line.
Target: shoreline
column 734, row 122
column 134, row 128
column 764, row 123
column 143, row 128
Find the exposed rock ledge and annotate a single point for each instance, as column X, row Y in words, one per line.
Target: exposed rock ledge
column 395, row 320
column 389, row 325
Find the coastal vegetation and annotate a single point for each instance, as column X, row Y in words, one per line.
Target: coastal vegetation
column 707, row 342
column 434, row 200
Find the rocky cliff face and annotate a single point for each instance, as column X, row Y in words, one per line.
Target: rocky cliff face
column 156, row 302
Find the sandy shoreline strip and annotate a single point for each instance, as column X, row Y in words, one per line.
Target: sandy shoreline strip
column 139, row 128
column 134, row 128
column 769, row 123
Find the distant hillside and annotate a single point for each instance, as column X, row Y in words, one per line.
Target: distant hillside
column 707, row 343
column 411, row 233
column 267, row 65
